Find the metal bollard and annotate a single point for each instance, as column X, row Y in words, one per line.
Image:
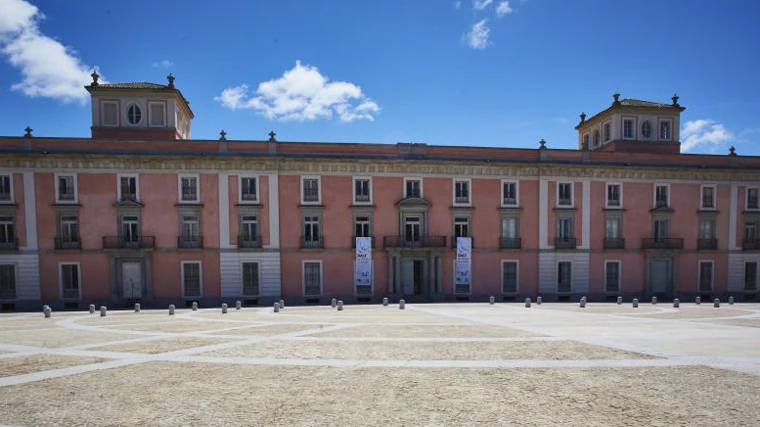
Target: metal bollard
column 654, row 300
column 103, row 311
column 171, row 309
column 491, row 300
column 676, row 303
column 716, row 303
column 137, row 307
column 619, row 300
column 539, row 300
column 224, row 308
column 238, row 305
column 635, row 303
column 583, row 302
column 385, row 302
column 730, row 300
column 276, row 307
column 282, row 304
column 92, row 308
column 334, row 303
column 340, row 305
column 697, row 300
column 195, row 306
column 527, row 302
column 48, row 312
column 401, row 304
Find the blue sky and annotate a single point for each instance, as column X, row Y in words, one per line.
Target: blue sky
column 441, row 72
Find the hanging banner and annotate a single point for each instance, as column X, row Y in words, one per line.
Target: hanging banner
column 363, row 265
column 463, row 261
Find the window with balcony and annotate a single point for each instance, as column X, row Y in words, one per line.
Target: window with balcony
column 750, row 276
column 564, row 276
column 628, row 128
column 249, row 232
column 190, row 230
column 613, row 238
column 612, row 276
column 708, row 197
column 250, row 279
column 312, row 278
column 130, row 234
column 189, row 189
column 753, row 199
column 6, row 188
column 661, row 195
column 413, row 188
column 509, row 277
column 751, row 241
column 705, row 276
column 8, row 282
column 607, row 132
column 69, row 280
column 362, row 188
column 661, row 229
column 565, row 238
column 248, row 189
column 310, row 190
column 8, row 233
column 614, row 195
column 191, row 279
column 509, row 193
column 707, row 239
column 66, row 191
column 128, row 188
column 565, row 194
column 311, row 232
column 461, row 192
column 69, row 232
column 461, row 227
column 361, row 226
column 412, row 229
column 510, row 237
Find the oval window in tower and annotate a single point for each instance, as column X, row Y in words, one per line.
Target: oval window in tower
column 134, row 114
column 646, row 130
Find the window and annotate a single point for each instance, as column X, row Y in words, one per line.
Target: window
column 312, row 278
column 612, row 276
column 509, row 193
column 250, row 278
column 707, row 229
column 607, row 132
column 661, row 229
column 134, row 115
column 705, row 276
column 66, row 190
column 129, row 230
column 362, row 190
column 628, row 129
column 412, row 228
column 191, row 279
column 565, row 194
column 69, row 231
column 612, row 228
column 564, row 276
column 665, row 130
column 7, row 232
column 6, row 188
column 248, row 191
column 69, row 279
column 509, row 227
column 249, row 228
column 461, row 228
column 461, row 192
column 311, row 236
column 750, row 232
column 189, row 188
column 661, row 196
column 128, row 188
column 708, row 197
column 361, row 226
column 110, row 113
column 586, row 141
column 564, row 228
column 597, row 139
column 646, row 129
column 190, row 230
column 614, row 195
column 413, row 188
column 7, row 281
column 157, row 114
column 753, row 203
column 750, row 276
column 310, row 188
column 509, row 277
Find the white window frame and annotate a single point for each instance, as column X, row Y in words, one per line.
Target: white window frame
column 454, row 191
column 604, row 137
column 197, row 190
column 240, row 189
column 659, row 129
column 556, row 276
column 353, row 190
column 606, row 195
column 102, row 114
column 321, row 278
column 517, row 276
column 654, row 193
column 200, row 277
column 371, row 280
column 242, row 283
column 150, row 114
column 701, row 197
column 412, row 178
column 572, row 194
column 319, row 190
column 620, row 275
column 136, row 176
column 76, row 188
column 60, row 279
column 634, row 127
column 746, row 199
column 712, row 274
column 15, row 278
column 517, row 193
column 11, row 189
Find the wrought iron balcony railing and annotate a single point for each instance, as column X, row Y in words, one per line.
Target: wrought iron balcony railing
column 249, row 242
column 510, row 243
column 190, row 242
column 121, row 242
column 565, row 242
column 312, row 243
column 67, row 243
column 662, row 243
column 707, row 244
column 614, row 243
column 418, row 242
column 751, row 245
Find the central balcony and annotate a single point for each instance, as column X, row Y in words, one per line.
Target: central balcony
column 454, row 242
column 614, row 243
column 121, row 242
column 662, row 243
column 68, row 243
column 249, row 242
column 190, row 242
column 510, row 243
column 420, row 242
column 565, row 242
column 707, row 244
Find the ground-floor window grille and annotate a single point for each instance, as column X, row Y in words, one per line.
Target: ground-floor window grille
column 612, row 276
column 251, row 278
column 312, row 278
column 750, row 276
column 70, row 280
column 509, row 277
column 705, row 276
column 8, row 281
column 191, row 279
column 564, row 276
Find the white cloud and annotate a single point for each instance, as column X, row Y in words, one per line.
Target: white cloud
column 477, row 38
column 705, row 134
column 48, row 68
column 457, row 5
column 503, row 9
column 302, row 94
column 481, row 4
column 163, row 64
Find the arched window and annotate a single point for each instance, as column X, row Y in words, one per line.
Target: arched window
column 134, row 114
column 646, row 130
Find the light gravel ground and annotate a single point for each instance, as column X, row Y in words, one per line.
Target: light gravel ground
column 178, row 326
column 426, row 331
column 351, row 314
column 163, row 393
column 749, row 323
column 698, row 312
column 57, row 338
column 269, row 330
column 40, row 362
column 549, row 350
column 626, row 308
column 163, row 345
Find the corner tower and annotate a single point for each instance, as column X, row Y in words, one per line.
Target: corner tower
column 632, row 125
column 139, row 110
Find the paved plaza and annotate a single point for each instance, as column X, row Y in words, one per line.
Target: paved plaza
column 429, row 364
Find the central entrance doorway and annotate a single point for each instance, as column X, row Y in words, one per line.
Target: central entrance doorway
column 662, row 276
column 412, row 276
column 131, row 279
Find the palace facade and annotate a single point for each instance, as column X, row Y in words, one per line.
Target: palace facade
column 141, row 212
